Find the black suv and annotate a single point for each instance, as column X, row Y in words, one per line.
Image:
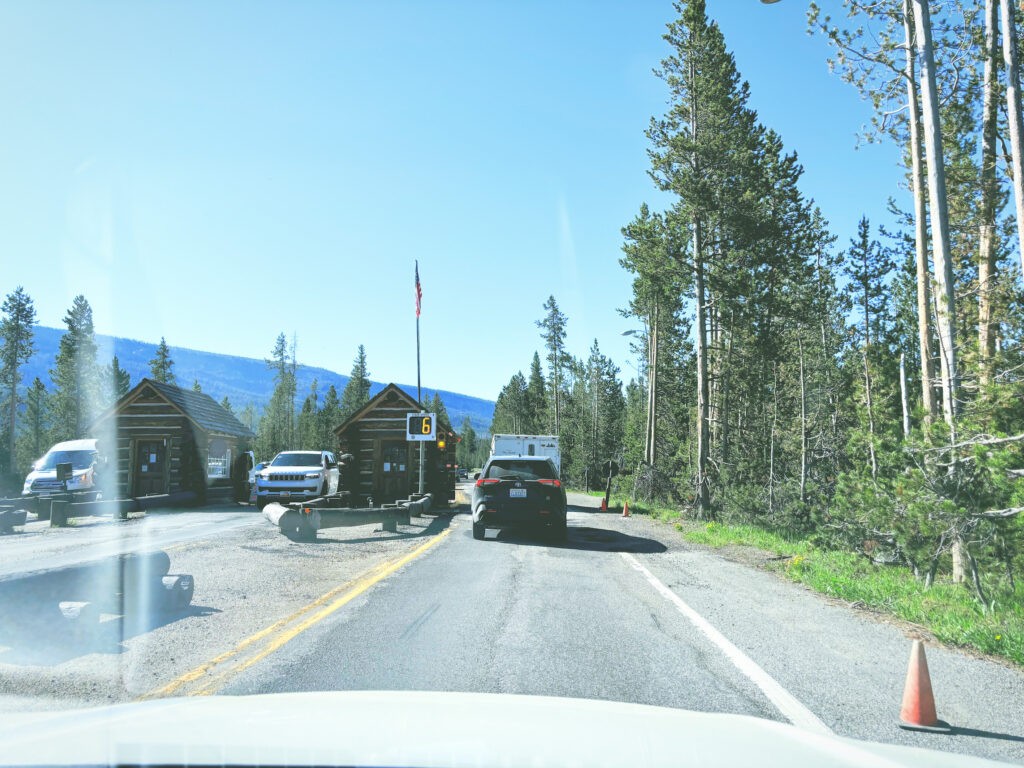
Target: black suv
column 519, row 492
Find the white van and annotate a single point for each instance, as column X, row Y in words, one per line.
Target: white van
column 83, row 457
column 528, row 445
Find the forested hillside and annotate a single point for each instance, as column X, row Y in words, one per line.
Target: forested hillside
column 242, row 380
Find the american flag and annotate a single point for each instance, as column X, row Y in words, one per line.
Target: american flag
column 419, row 290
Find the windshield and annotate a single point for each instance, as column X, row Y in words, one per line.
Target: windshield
column 520, row 469
column 664, row 353
column 77, row 459
column 296, row 460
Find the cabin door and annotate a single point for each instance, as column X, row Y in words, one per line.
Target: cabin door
column 395, row 470
column 150, row 468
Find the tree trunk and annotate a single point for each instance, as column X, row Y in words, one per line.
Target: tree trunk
column 989, row 192
column 703, row 501
column 958, row 553
column 803, row 423
column 903, row 395
column 943, row 262
column 924, row 338
column 976, row 578
column 13, row 395
column 703, row 497
column 771, row 440
column 650, row 385
column 654, row 386
column 725, row 392
column 1013, row 106
column 867, row 386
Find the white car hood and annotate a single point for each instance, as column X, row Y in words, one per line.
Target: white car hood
column 381, row 728
column 51, row 474
column 291, row 470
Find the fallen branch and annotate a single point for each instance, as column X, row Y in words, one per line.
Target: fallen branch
column 1000, row 513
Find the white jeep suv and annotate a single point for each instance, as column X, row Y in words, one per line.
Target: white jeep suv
column 297, row 475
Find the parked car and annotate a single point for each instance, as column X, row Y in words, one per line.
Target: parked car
column 85, row 460
column 519, row 492
column 297, row 475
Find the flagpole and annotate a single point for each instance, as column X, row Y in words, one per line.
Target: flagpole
column 419, row 392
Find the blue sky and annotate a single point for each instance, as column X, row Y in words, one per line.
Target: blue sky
column 217, row 173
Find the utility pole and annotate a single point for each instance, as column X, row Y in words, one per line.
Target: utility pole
column 419, row 391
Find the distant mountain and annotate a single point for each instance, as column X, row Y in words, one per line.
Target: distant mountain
column 243, row 379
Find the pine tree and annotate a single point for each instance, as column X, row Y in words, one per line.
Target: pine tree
column 75, row 375
column 161, row 366
column 465, row 449
column 357, row 391
column 309, row 438
column 329, row 419
column 248, row 416
column 868, row 266
column 16, row 333
column 276, row 431
column 704, row 151
column 510, row 409
column 196, row 386
column 436, row 405
column 118, row 380
column 553, row 333
column 536, row 399
column 33, row 437
column 226, row 405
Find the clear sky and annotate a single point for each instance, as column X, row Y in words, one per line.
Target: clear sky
column 217, row 173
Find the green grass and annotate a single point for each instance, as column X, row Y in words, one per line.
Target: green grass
column 949, row 611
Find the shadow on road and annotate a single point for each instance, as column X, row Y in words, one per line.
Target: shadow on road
column 614, row 511
column 51, row 616
column 585, row 539
column 434, row 527
column 958, row 731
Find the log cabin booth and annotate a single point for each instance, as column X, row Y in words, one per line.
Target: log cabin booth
column 172, row 440
column 385, row 465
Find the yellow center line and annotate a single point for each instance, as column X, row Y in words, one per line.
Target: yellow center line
column 362, row 583
column 295, row 631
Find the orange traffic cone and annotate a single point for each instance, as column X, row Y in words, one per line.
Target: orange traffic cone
column 625, row 510
column 604, row 505
column 918, row 712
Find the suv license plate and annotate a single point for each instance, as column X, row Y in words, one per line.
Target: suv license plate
column 285, row 494
column 517, row 493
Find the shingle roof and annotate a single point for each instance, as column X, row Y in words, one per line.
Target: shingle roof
column 202, row 409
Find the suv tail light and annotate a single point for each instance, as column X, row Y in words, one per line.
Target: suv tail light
column 488, row 480
column 556, row 483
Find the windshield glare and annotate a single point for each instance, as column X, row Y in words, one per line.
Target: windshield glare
column 296, row 460
column 77, row 459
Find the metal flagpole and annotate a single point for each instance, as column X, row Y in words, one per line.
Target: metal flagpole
column 419, row 392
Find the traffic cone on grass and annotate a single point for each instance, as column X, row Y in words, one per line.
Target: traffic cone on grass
column 625, row 510
column 918, row 712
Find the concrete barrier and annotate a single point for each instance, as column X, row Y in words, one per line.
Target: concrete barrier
column 302, row 521
column 11, row 518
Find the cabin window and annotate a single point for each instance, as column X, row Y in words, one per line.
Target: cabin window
column 218, row 460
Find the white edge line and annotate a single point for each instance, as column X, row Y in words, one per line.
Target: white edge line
column 783, row 700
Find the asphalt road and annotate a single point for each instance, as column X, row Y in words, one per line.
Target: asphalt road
column 624, row 610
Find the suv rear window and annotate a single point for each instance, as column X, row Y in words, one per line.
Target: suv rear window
column 524, row 469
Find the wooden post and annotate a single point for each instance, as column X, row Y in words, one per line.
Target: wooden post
column 58, row 513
